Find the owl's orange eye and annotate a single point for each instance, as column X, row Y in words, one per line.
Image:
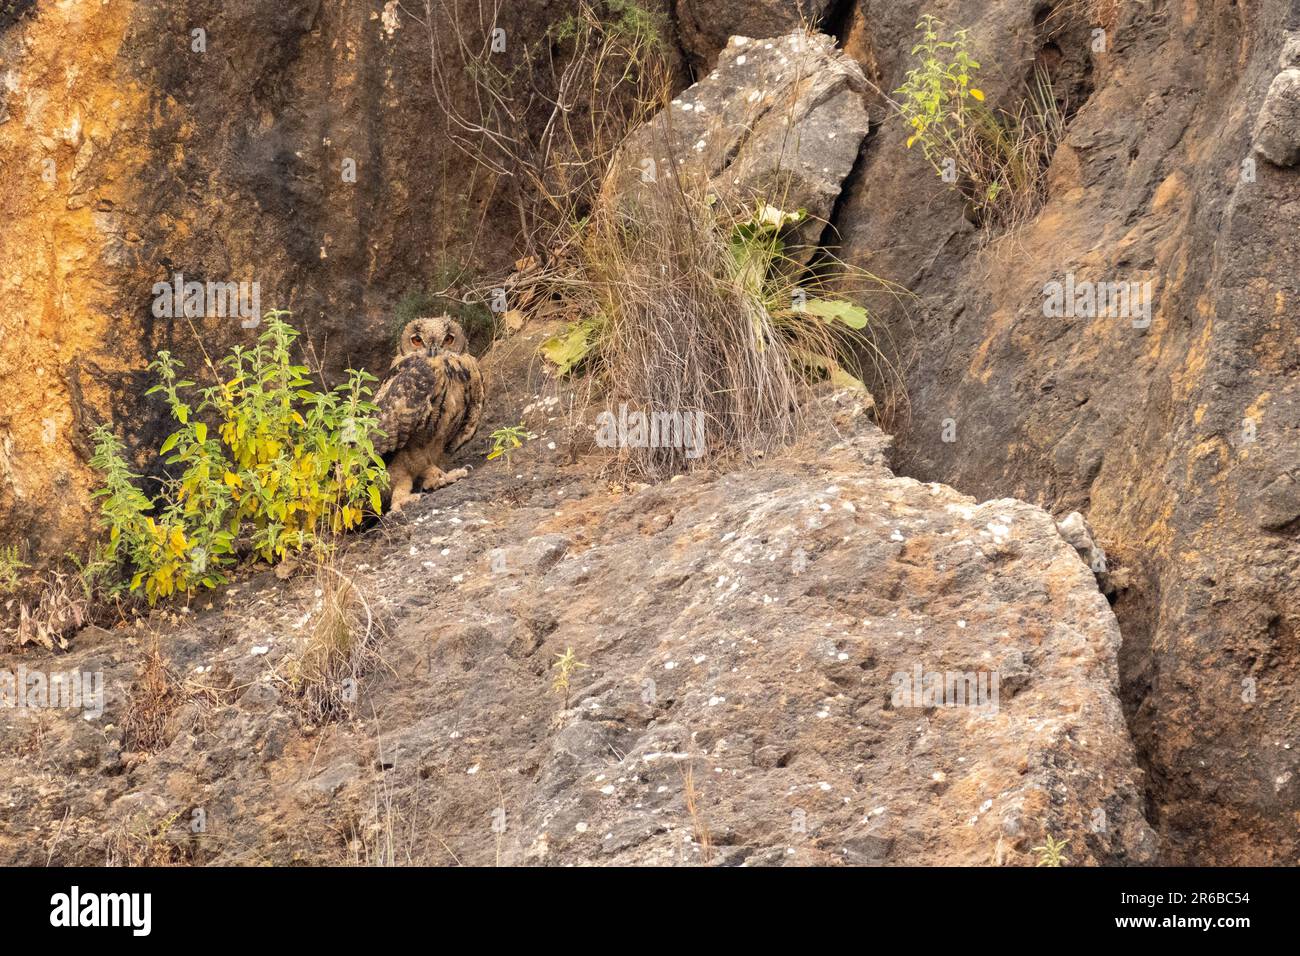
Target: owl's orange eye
column 449, row 339
column 417, row 341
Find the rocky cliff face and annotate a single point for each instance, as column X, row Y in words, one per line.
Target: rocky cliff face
column 295, row 145
column 1177, row 437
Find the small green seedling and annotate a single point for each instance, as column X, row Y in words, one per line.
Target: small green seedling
column 505, row 440
column 1050, row 854
column 11, row 569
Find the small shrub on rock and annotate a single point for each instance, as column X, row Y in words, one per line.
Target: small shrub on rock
column 281, row 469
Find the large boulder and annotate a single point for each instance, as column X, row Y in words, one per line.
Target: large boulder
column 1277, row 131
column 809, row 662
column 778, row 120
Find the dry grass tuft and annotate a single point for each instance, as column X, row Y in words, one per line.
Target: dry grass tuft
column 1101, row 13
column 145, row 843
column 154, row 697
column 324, row 671
column 682, row 332
column 33, row 745
column 699, row 828
column 376, row 842
column 1004, row 157
column 49, row 606
column 696, row 308
column 542, row 122
column 61, row 608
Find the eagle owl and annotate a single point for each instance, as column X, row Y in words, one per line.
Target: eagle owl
column 429, row 406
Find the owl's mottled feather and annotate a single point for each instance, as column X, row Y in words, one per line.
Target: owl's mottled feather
column 429, row 395
column 429, row 406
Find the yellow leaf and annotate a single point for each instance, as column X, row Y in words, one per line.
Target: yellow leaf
column 978, row 94
column 201, row 432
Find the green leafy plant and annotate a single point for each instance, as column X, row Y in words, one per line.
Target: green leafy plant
column 997, row 159
column 938, row 96
column 821, row 328
column 136, row 540
column 573, row 344
column 286, row 467
column 11, row 569
column 506, row 439
column 94, row 574
column 1050, row 854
